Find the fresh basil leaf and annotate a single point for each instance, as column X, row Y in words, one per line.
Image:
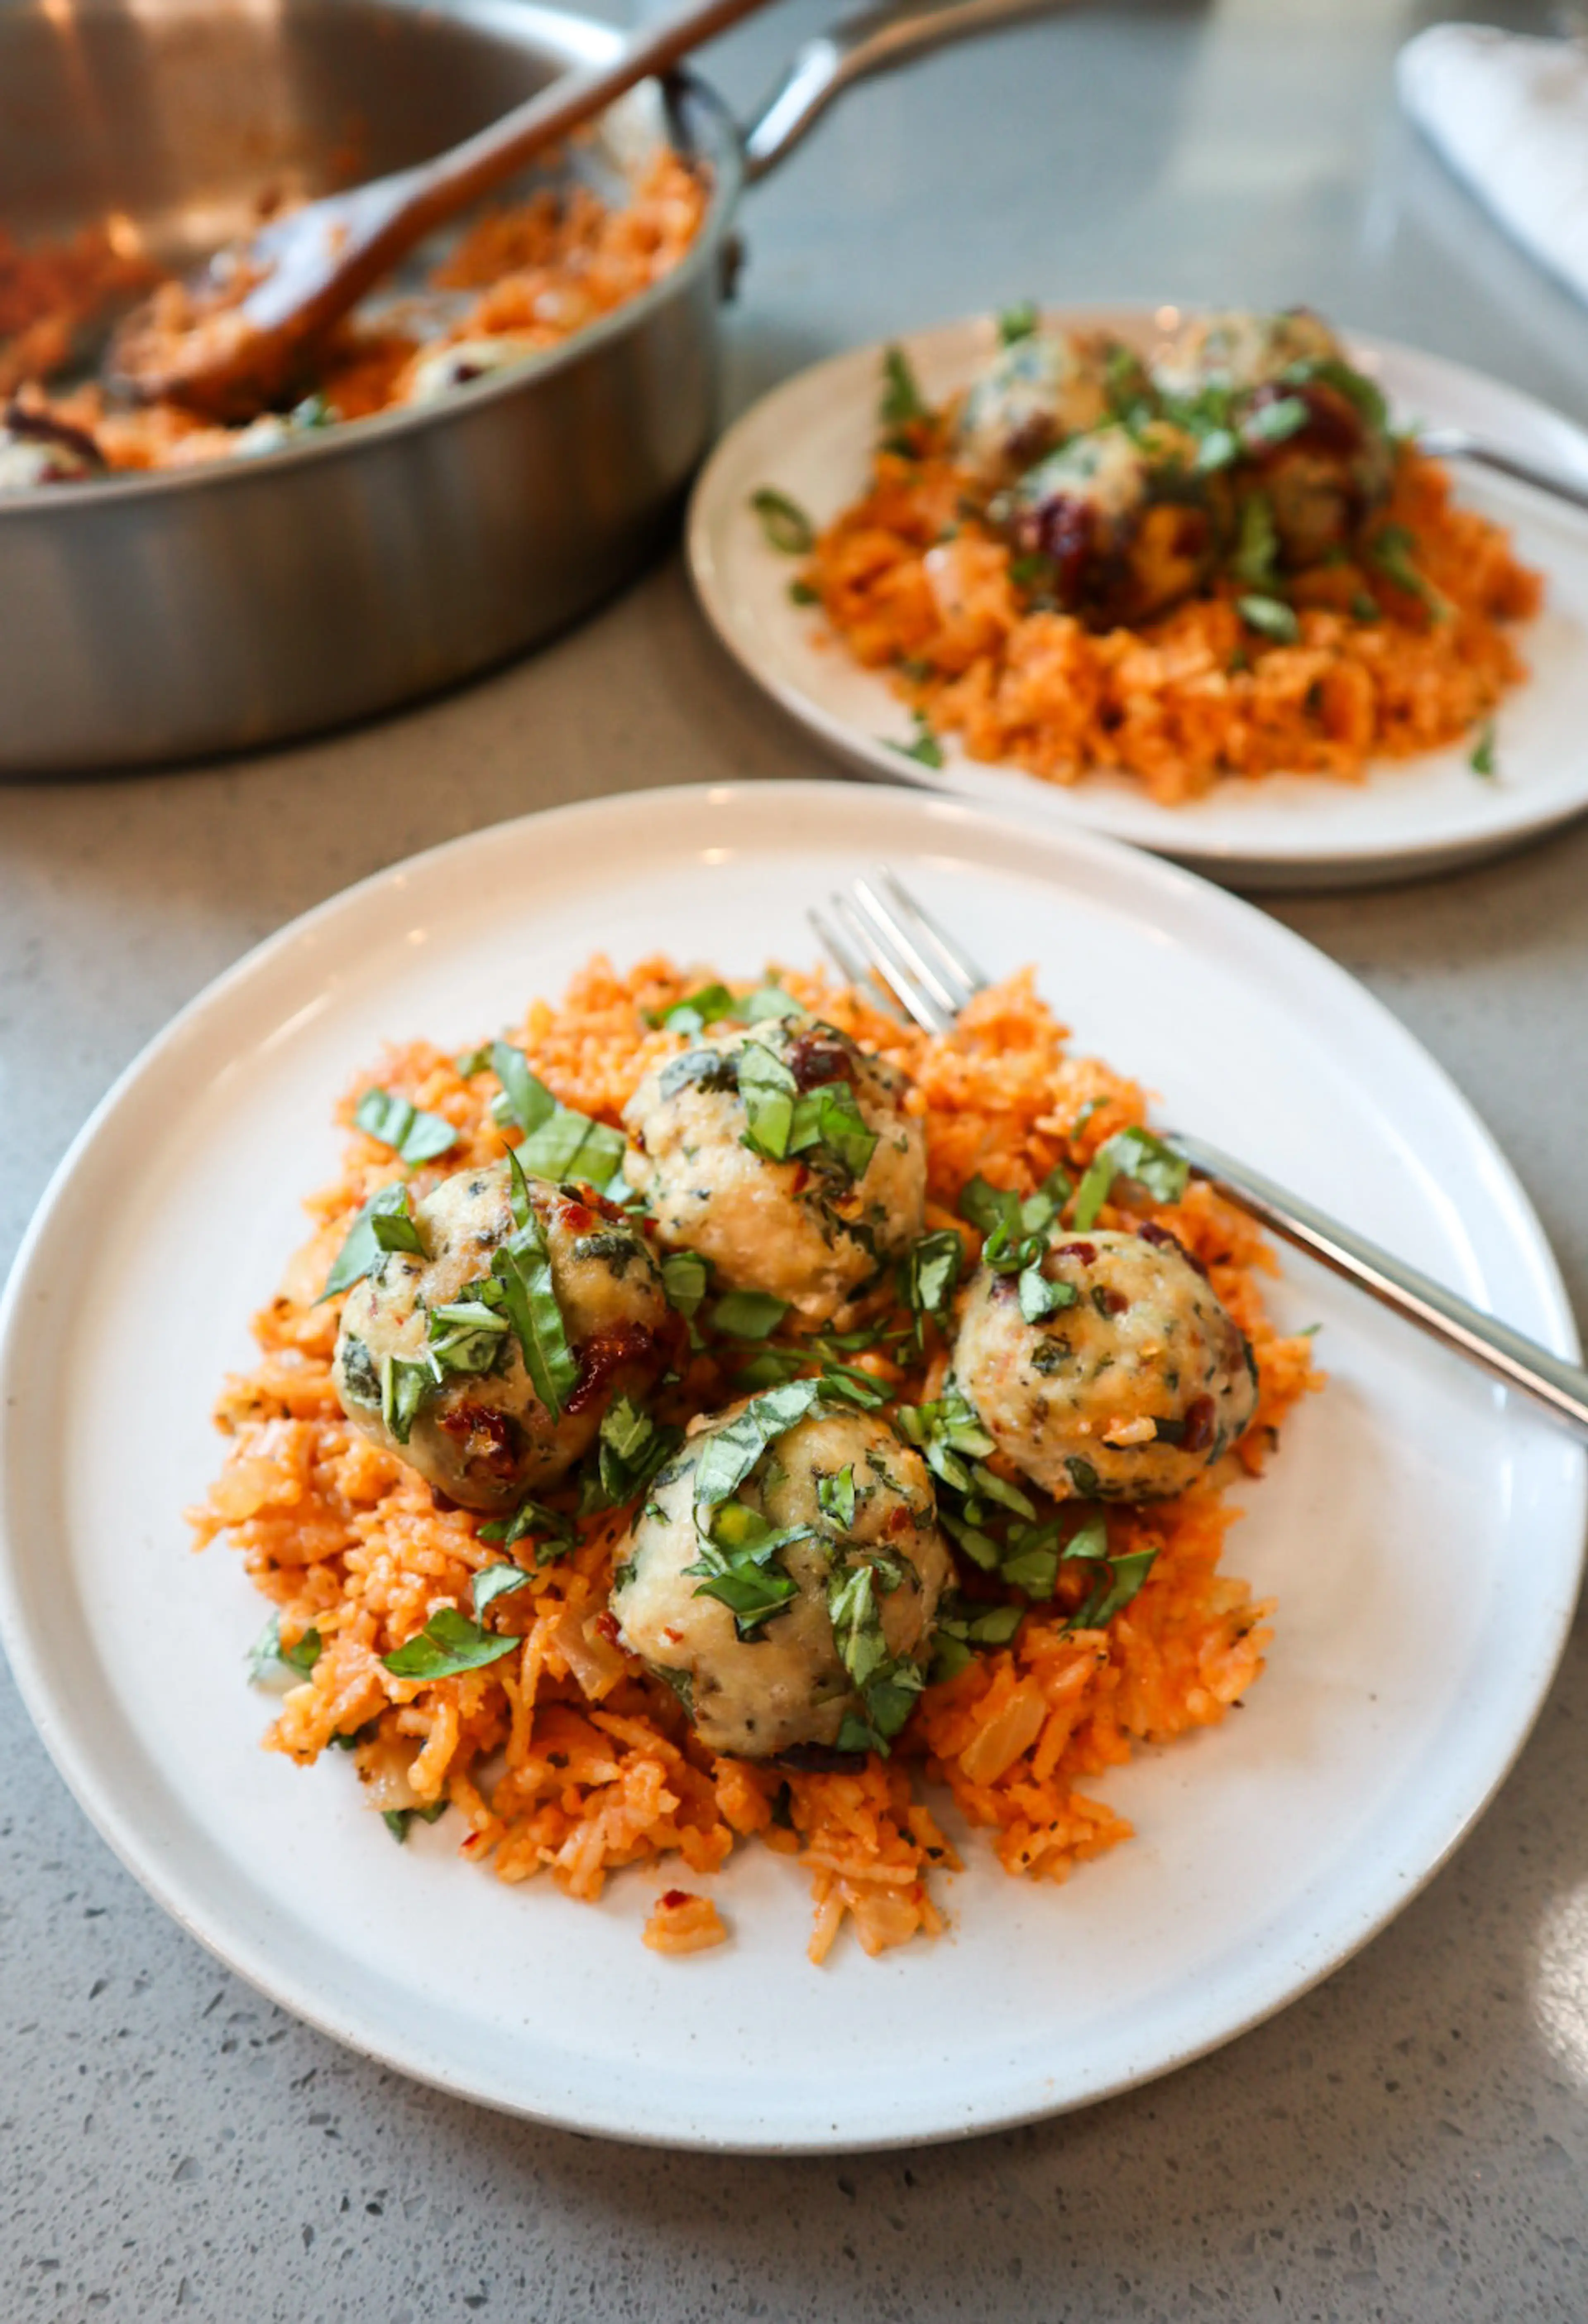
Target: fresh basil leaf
column 554, row 1533
column 986, row 1206
column 1277, row 422
column 685, row 1278
column 398, row 1819
column 800, row 593
column 522, row 1267
column 857, row 1624
column 747, row 1314
column 1393, row 550
column 413, row 1136
column 267, row 1656
column 524, row 1098
column 362, row 1252
column 494, row 1582
column 1036, row 1570
column 929, row 1270
column 901, row 401
column 923, row 745
column 1039, row 1298
column 788, row 528
column 980, row 1547
column 1217, row 448
column 1129, row 1154
column 830, row 1117
column 695, row 1010
column 732, row 1451
column 472, row 1062
column 465, row 1336
column 771, row 1368
column 738, row 1564
column 855, row 1386
column 1257, row 546
column 1346, row 380
column 448, row 1643
column 768, row 1090
column 404, row 1386
column 767, row 1002
column 1018, row 322
column 1270, row 617
column 1124, row 1579
column 1482, row 759
column 835, row 1498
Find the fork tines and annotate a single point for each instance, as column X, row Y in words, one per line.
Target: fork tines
column 889, row 945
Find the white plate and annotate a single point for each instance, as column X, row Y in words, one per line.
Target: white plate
column 1421, row 1531
column 813, row 438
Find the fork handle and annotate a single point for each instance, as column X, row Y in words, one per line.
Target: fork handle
column 1458, row 443
column 1562, row 1387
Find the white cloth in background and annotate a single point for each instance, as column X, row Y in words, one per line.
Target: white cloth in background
column 1509, row 115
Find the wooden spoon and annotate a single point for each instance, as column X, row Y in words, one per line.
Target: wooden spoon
column 237, row 341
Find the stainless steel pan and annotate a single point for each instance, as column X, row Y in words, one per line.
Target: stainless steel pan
column 152, row 618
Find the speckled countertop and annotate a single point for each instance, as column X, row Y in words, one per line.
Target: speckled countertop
column 1409, row 2142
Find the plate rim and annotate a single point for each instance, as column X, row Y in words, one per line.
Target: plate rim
column 1259, row 863
column 246, row 1952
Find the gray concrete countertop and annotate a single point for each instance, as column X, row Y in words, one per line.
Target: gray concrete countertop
column 1409, row 2142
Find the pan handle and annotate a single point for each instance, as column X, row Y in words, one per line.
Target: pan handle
column 858, row 47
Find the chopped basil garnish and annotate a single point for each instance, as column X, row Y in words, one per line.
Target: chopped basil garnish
column 854, row 1386
column 738, row 1563
column 1482, row 759
column 267, row 1656
column 414, row 1137
column 768, row 1090
column 1018, row 322
column 1270, row 617
column 902, row 400
column 835, row 1498
column 1393, row 550
column 786, row 526
column 695, row 1010
column 466, row 1335
column 1257, row 548
column 747, row 1314
column 494, row 1582
column 888, row 1687
column 767, row 1000
column 1118, row 1579
column 782, row 1120
column 682, row 1682
column 630, row 1448
column 1039, row 1298
column 1129, row 1154
column 1083, row 1476
column 398, row 1819
column 1275, row 423
column 404, row 1386
column 363, row 1251
column 929, row 1270
column 395, row 1227
column 685, row 1276
column 957, row 1631
column 923, row 745
column 558, row 1143
column 556, row 1534
column 800, row 593
column 448, row 1643
column 522, row 1267
column 733, row 1452
column 472, row 1062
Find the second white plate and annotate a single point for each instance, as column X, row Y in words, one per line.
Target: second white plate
column 812, row 439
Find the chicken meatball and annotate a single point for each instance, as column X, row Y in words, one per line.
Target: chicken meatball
column 1127, row 1391
column 447, row 1389
column 1120, row 520
column 785, row 1156
column 861, row 1503
column 1040, row 390
column 1236, row 347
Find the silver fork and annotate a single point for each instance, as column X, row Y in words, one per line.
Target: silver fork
column 882, row 940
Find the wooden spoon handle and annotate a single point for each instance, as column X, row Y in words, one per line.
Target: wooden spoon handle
column 423, row 199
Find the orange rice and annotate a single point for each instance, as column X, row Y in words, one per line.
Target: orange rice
column 1193, row 696
column 541, row 269
column 565, row 1756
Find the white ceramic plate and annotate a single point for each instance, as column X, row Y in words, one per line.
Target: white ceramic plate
column 813, row 438
column 1421, row 1531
